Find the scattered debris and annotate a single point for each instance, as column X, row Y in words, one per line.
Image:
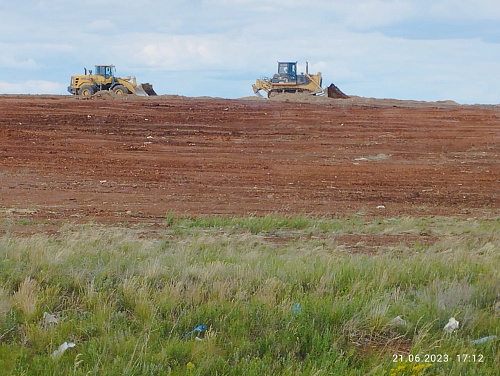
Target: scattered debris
column 296, row 309
column 58, row 353
column 199, row 331
column 398, row 321
column 49, row 319
column 451, row 326
column 380, row 207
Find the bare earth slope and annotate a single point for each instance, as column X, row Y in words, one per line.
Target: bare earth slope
column 135, row 159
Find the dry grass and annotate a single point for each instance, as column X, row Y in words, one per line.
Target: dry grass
column 26, row 297
column 127, row 300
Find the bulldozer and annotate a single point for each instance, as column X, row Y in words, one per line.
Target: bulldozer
column 104, row 78
column 288, row 81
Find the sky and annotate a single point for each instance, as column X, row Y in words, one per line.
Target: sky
column 430, row 50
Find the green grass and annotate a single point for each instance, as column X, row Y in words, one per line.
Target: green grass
column 126, row 298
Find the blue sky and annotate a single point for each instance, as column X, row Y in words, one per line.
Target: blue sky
column 405, row 49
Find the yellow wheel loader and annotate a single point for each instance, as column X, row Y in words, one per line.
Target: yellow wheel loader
column 288, row 81
column 104, row 78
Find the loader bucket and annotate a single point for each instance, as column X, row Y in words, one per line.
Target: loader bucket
column 144, row 90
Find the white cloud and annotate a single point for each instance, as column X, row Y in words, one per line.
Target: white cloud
column 27, row 56
column 365, row 15
column 465, row 9
column 31, row 87
column 172, row 52
column 7, row 61
column 102, row 25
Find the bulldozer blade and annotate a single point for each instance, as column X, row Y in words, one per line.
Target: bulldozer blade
column 144, row 90
column 334, row 92
column 256, row 91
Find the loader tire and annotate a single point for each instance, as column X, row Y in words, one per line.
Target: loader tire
column 86, row 91
column 120, row 90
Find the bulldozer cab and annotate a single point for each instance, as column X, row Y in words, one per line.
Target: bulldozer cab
column 106, row 71
column 288, row 70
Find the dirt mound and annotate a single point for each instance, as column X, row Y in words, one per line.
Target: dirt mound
column 107, row 94
column 135, row 160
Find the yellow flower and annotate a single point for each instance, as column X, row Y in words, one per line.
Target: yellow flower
column 190, row 366
column 419, row 367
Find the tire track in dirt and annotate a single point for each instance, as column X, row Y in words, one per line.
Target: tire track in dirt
column 137, row 159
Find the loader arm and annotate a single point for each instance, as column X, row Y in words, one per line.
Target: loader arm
column 316, row 80
column 261, row 84
column 129, row 85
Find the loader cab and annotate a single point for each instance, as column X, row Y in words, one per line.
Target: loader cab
column 105, row 70
column 287, row 70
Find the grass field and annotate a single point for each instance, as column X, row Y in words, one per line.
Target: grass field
column 278, row 296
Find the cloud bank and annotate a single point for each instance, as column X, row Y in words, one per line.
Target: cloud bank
column 404, row 49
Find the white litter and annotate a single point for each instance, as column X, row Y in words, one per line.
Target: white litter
column 398, row 321
column 50, row 319
column 66, row 345
column 452, row 325
column 380, row 207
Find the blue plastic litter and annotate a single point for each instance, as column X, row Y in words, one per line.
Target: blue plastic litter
column 296, row 309
column 482, row 340
column 198, row 330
